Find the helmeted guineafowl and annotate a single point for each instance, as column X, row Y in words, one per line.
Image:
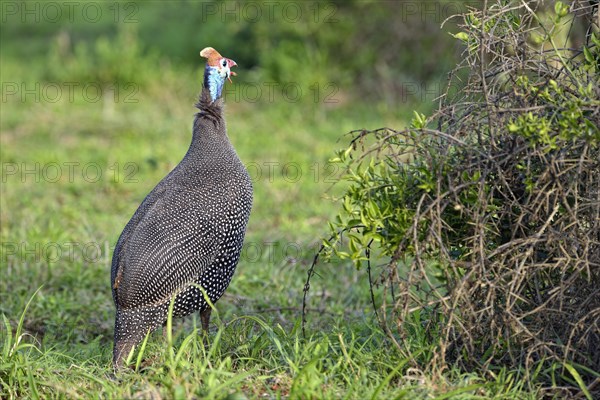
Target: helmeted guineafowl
column 188, row 231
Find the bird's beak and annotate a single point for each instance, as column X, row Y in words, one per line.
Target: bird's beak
column 231, row 63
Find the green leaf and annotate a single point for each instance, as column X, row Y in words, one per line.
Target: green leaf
column 560, row 9
column 419, row 120
column 347, row 152
column 461, row 36
column 579, row 381
column 588, row 55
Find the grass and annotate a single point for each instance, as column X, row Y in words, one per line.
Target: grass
column 73, row 172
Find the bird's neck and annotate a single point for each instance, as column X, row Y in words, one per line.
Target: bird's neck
column 209, row 129
column 213, row 82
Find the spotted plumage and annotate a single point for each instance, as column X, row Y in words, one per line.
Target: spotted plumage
column 188, row 231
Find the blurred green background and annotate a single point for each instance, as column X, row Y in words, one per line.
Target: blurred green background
column 119, row 79
column 97, row 107
column 369, row 49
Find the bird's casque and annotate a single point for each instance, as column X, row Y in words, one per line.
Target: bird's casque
column 218, row 68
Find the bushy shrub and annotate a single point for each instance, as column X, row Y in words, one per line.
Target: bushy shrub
column 488, row 212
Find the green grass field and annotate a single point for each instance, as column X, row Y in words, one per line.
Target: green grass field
column 73, row 172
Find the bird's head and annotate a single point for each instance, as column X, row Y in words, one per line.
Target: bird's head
column 218, row 69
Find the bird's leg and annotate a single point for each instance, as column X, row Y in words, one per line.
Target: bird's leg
column 120, row 353
column 165, row 331
column 205, row 318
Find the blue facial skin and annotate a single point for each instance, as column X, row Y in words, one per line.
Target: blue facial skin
column 214, row 79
